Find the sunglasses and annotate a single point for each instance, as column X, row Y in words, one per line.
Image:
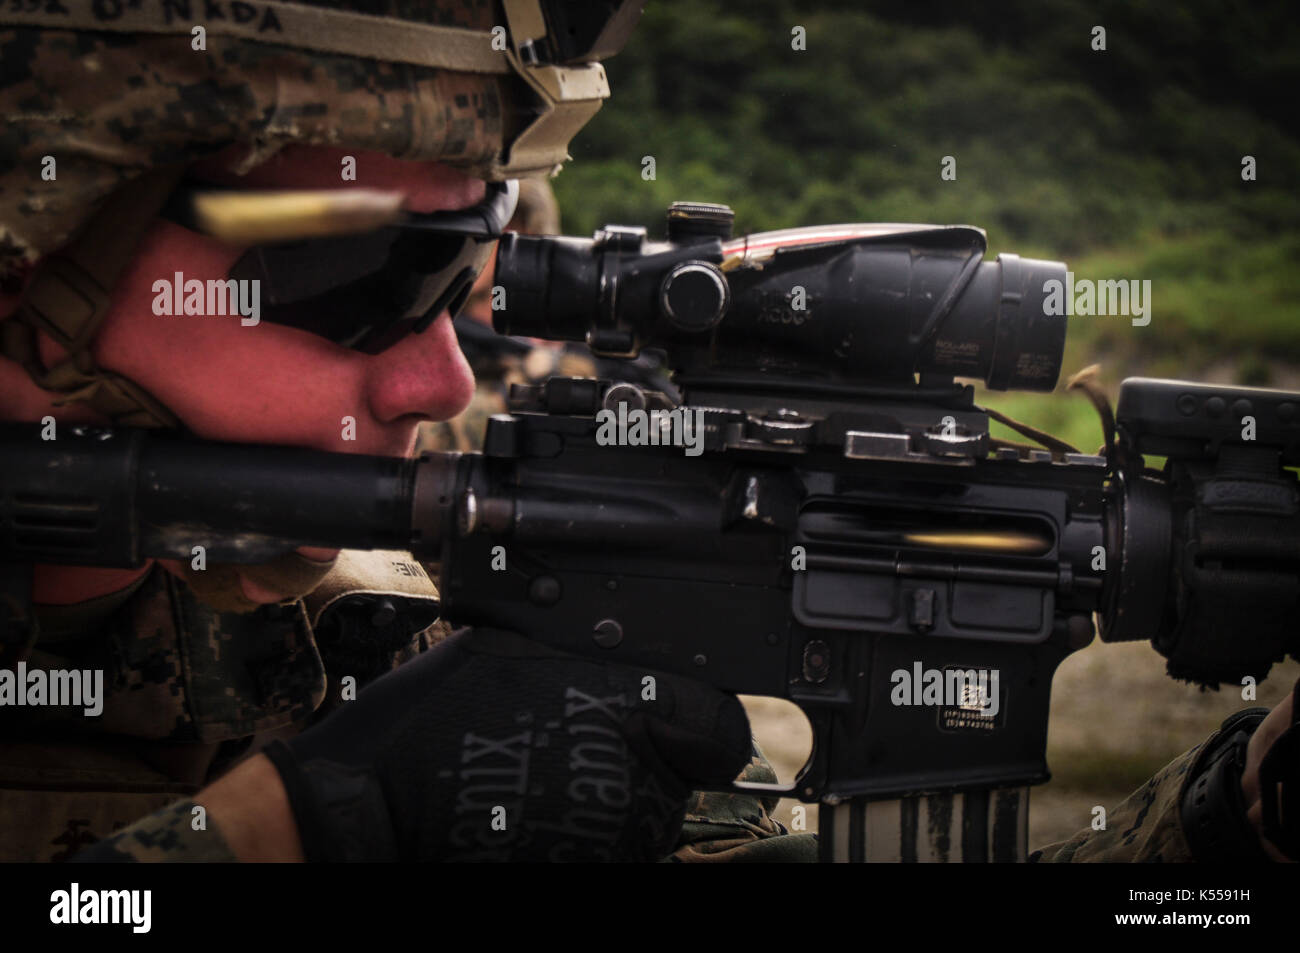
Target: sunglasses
column 367, row 291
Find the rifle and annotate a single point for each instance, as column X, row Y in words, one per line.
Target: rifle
column 482, row 346
column 822, row 517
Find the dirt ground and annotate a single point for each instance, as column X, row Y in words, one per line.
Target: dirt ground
column 1116, row 719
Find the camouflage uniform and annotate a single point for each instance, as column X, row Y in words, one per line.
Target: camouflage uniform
column 188, row 691
column 740, row 827
column 1148, row 827
column 1144, row 828
column 191, row 689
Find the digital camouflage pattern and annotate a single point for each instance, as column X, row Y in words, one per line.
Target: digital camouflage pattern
column 57, row 798
column 109, row 106
column 178, row 670
column 1145, row 828
column 739, row 827
column 169, row 835
column 185, row 687
column 187, row 691
column 718, row 828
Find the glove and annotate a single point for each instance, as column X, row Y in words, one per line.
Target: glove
column 493, row 747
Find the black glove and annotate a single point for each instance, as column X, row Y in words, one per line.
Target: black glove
column 492, row 747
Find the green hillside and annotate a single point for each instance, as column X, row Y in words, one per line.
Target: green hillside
column 1125, row 163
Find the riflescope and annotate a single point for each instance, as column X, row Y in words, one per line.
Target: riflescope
column 871, row 304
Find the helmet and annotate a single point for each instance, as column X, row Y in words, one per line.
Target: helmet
column 111, row 88
column 106, row 102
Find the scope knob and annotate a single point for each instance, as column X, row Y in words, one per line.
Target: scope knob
column 619, row 238
column 624, row 393
column 690, row 223
column 694, row 296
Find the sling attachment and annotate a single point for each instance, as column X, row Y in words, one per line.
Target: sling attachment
column 1087, row 382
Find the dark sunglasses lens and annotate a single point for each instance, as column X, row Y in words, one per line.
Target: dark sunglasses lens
column 368, row 290
column 448, row 291
column 364, row 292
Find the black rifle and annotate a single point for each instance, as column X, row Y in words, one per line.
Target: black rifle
column 485, row 348
column 847, row 537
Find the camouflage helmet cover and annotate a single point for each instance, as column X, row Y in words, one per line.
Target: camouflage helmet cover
column 117, row 87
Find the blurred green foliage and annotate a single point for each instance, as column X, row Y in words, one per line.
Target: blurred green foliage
column 1124, row 163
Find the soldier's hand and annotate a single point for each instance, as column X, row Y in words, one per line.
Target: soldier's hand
column 492, row 747
column 1269, row 730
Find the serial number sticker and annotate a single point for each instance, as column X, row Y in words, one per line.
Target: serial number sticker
column 980, row 702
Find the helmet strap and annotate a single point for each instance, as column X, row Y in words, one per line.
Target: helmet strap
column 69, row 295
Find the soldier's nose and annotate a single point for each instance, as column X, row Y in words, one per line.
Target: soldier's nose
column 422, row 375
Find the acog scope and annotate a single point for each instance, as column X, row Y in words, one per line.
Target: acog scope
column 848, row 304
